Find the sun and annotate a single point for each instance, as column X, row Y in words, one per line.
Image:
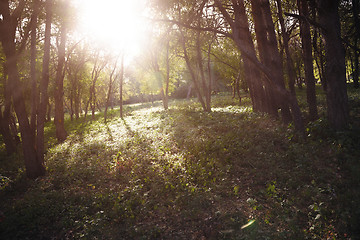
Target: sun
column 118, row 25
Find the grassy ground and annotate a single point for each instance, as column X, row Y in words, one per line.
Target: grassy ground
column 186, row 174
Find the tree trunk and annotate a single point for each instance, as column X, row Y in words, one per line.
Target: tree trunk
column 43, row 90
column 336, row 92
column 243, row 40
column 167, row 79
column 249, row 55
column 308, row 60
column 109, row 91
column 5, row 128
column 289, row 62
column 33, row 76
column 270, row 56
column 204, row 86
column 121, row 85
column 34, row 167
column 59, row 87
column 6, row 134
column 355, row 8
column 192, row 71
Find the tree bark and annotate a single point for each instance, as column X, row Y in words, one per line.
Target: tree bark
column 43, row 89
column 192, row 71
column 167, row 78
column 289, row 62
column 34, row 167
column 355, row 8
column 249, row 55
column 308, row 60
column 336, row 92
column 121, row 85
column 111, row 79
column 204, row 86
column 33, row 76
column 59, row 87
column 5, row 129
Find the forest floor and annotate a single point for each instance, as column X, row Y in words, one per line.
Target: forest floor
column 187, row 174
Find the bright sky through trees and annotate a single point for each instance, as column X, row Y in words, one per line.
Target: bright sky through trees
column 118, row 25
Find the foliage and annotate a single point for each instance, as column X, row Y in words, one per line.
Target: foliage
column 186, row 174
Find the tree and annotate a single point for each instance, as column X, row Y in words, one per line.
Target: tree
column 308, row 59
column 113, row 76
column 355, row 11
column 59, row 82
column 286, row 38
column 121, row 84
column 245, row 45
column 98, row 67
column 43, row 88
column 6, row 115
column 33, row 73
column 8, row 25
column 336, row 93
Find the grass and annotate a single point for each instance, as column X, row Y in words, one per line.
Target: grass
column 186, row 174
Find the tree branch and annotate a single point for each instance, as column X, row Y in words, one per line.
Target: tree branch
column 209, row 29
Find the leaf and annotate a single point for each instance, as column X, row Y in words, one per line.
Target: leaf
column 248, row 224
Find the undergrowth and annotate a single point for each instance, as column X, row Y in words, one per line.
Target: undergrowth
column 187, row 174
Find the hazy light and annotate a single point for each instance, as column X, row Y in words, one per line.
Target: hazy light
column 118, row 26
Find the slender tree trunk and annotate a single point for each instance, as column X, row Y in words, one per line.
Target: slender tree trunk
column 6, row 134
column 355, row 8
column 34, row 89
column 192, row 72
column 167, row 79
column 59, row 88
column 289, row 62
column 308, row 61
column 336, row 92
column 109, row 91
column 5, row 120
column 201, row 70
column 44, row 84
column 121, row 85
column 356, row 66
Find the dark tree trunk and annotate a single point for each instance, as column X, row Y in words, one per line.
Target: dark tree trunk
column 112, row 78
column 248, row 53
column 34, row 167
column 336, row 92
column 204, row 86
column 270, row 56
column 43, row 90
column 308, row 60
column 6, row 134
column 192, row 72
column 355, row 8
column 289, row 62
column 167, row 79
column 5, row 128
column 264, row 52
column 34, row 89
column 242, row 37
column 59, row 87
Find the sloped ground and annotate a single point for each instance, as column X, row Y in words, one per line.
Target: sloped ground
column 186, row 174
